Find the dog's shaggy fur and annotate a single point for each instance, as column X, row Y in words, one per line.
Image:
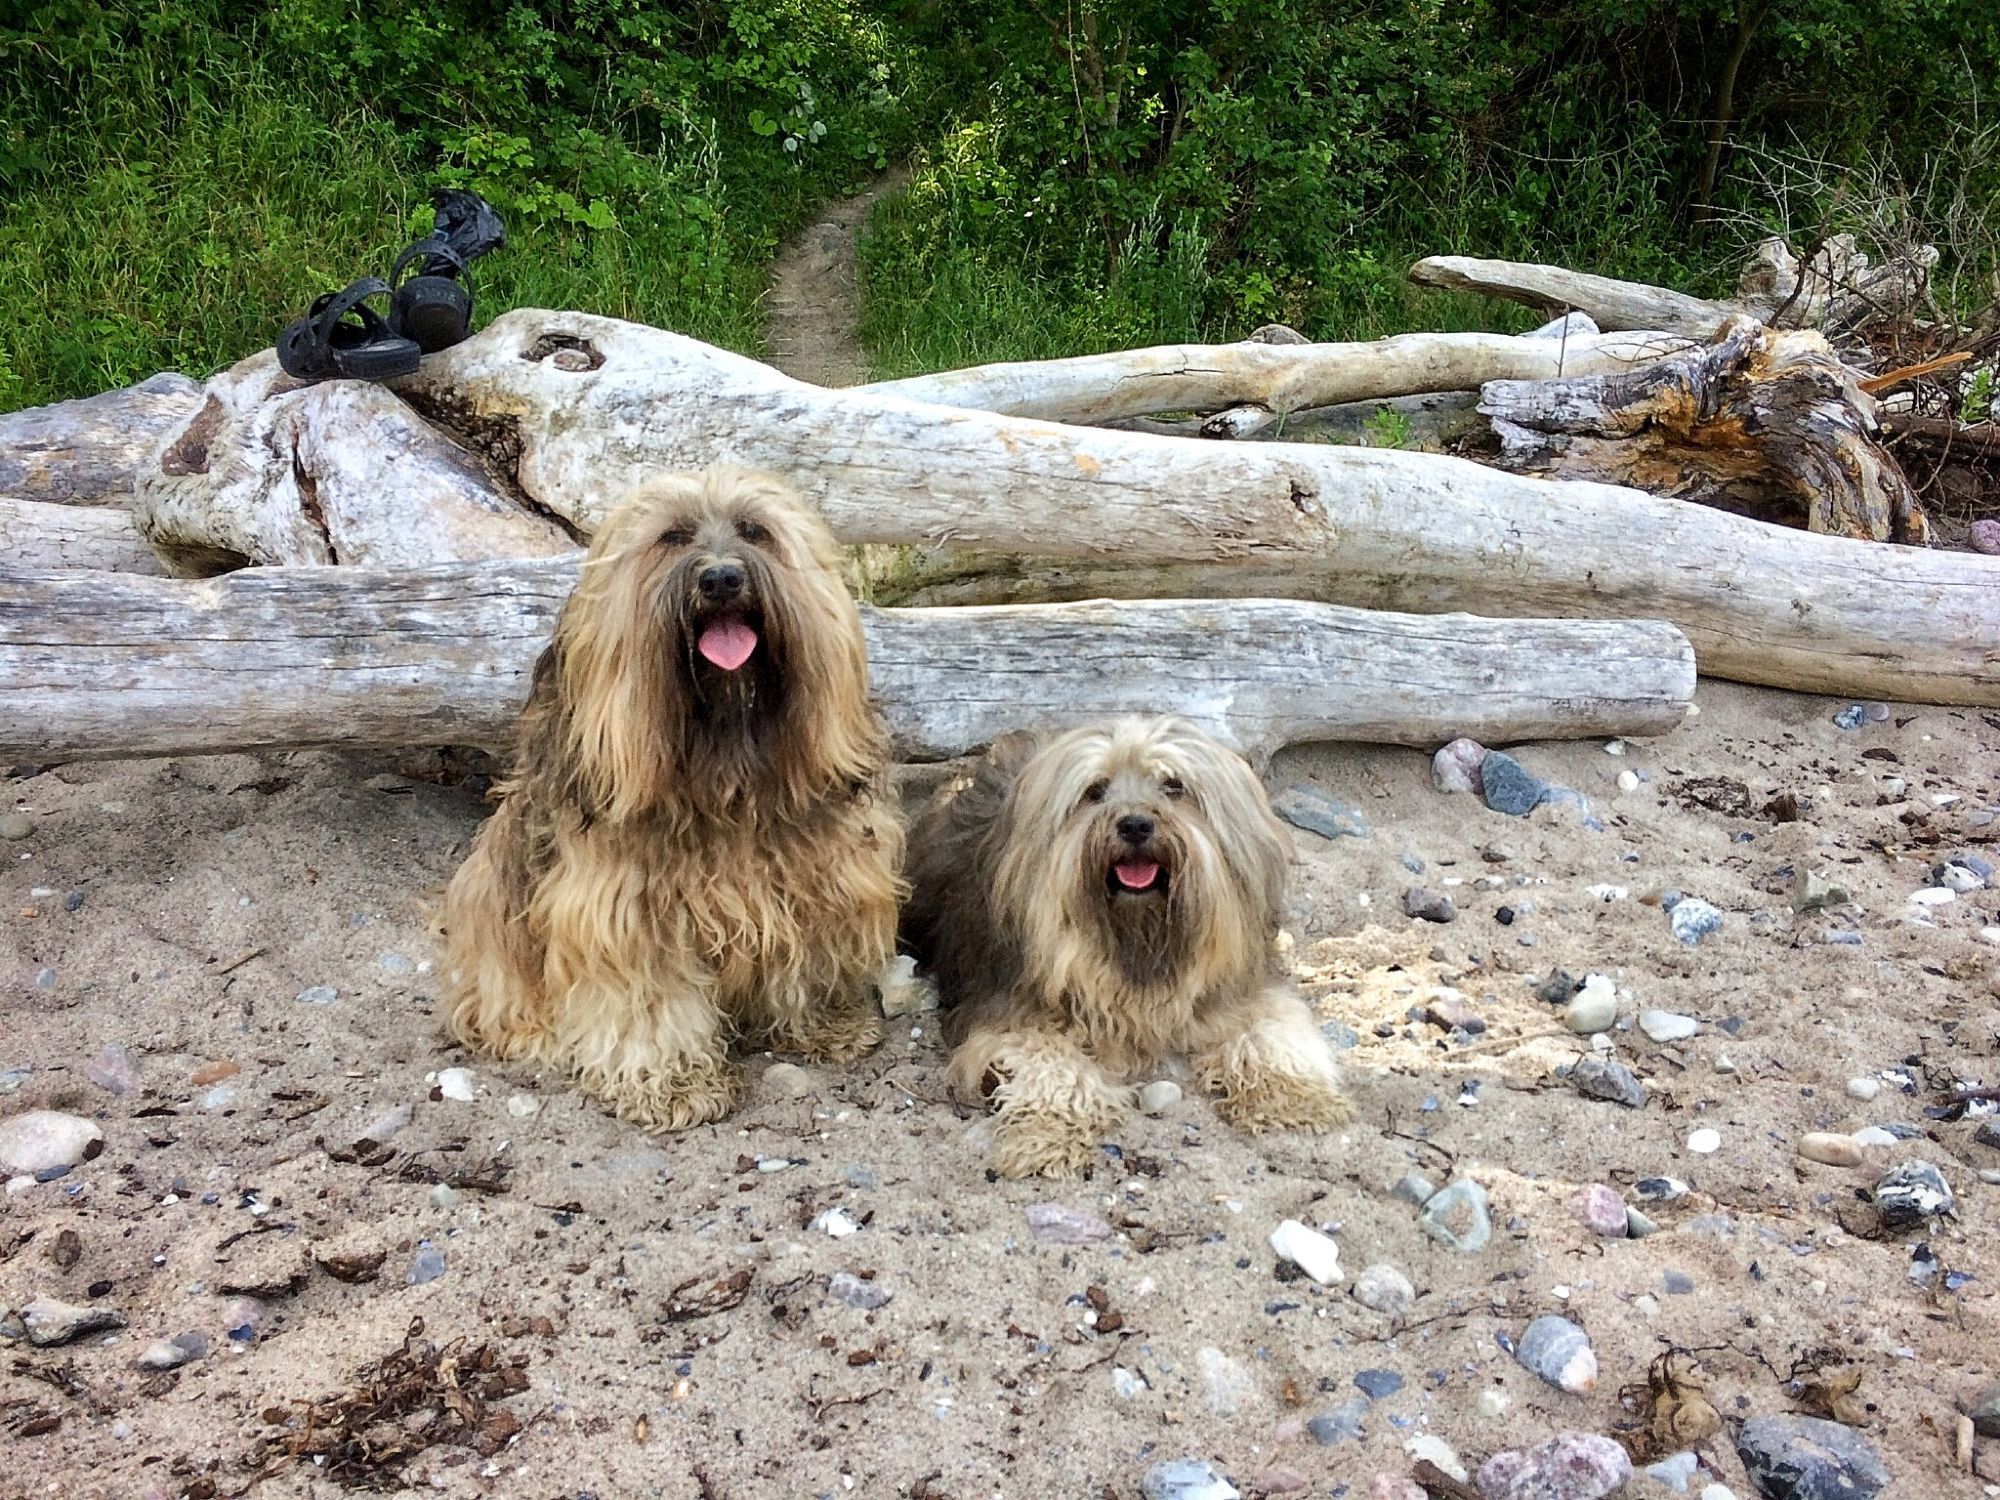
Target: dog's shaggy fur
column 696, row 844
column 1090, row 904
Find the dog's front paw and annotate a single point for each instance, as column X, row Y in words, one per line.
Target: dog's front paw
column 1038, row 1145
column 696, row 1092
column 837, row 1038
column 1282, row 1101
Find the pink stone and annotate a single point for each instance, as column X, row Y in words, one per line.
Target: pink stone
column 1395, row 1487
column 1279, row 1482
column 1455, row 768
column 1986, row 537
column 1569, row 1466
column 1599, row 1209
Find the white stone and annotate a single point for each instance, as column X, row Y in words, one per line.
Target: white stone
column 1959, row 879
column 1309, row 1250
column 1863, row 1089
column 1593, row 1008
column 45, row 1138
column 1933, row 895
column 903, row 993
column 1667, row 1026
column 1704, row 1141
column 1493, row 1402
column 1438, row 1451
column 1830, row 1149
column 1608, row 893
column 1874, row 1135
column 1384, row 1289
column 837, row 1222
column 523, row 1107
column 1230, row 1386
column 1717, row 1492
column 1628, row 781
column 1159, row 1096
column 456, row 1084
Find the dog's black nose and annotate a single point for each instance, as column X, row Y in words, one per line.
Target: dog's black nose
column 720, row 583
column 1135, row 828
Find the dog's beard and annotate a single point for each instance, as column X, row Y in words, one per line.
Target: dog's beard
column 1139, row 902
column 729, row 662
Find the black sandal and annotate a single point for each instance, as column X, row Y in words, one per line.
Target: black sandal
column 325, row 345
column 434, row 305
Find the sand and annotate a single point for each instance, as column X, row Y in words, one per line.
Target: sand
column 218, row 892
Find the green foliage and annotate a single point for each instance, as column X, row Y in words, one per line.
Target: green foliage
column 1976, row 405
column 1388, row 428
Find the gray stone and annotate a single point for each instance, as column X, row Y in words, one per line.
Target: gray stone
column 1342, row 1424
column 1988, row 1134
column 1569, row 1466
column 1057, row 1224
column 1558, row 1351
column 1812, row 891
column 1414, row 1188
column 1692, row 920
column 1186, row 1479
column 1984, row 1409
column 1311, row 809
column 1384, row 1289
column 1230, row 1385
column 164, row 1354
column 1159, row 1096
column 1601, row 1078
column 1378, row 1385
column 1457, row 1217
column 1667, row 1026
column 1676, row 1472
column 379, row 1131
column 426, row 1265
column 318, row 994
column 1637, row 1225
column 50, row 1322
column 1912, row 1194
column 851, row 1289
column 44, row 1138
column 113, row 1070
column 1557, row 988
column 15, row 826
column 1510, row 787
column 1807, row 1458
column 1426, row 905
column 1851, row 717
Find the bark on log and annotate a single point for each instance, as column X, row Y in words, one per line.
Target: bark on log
column 38, row 534
column 95, row 666
column 1370, row 527
column 87, row 452
column 268, row 471
column 1755, row 413
column 1098, row 388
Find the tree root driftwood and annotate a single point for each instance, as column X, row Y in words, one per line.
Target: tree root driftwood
column 1752, row 417
column 106, row 665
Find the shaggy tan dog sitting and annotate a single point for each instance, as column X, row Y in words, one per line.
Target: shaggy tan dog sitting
column 1092, row 903
column 695, row 845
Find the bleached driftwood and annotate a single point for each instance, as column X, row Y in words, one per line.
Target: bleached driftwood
column 265, row 470
column 1371, row 527
column 107, row 665
column 86, row 452
column 1755, row 415
column 1276, row 379
column 1835, row 289
column 41, row 534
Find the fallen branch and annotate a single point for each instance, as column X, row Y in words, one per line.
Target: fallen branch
column 95, row 666
column 38, row 534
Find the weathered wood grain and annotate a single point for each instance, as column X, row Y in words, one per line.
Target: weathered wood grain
column 41, row 534
column 104, row 665
column 87, row 452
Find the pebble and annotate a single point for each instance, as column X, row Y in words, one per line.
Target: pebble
column 1717, row 1492
column 1594, row 1008
column 1510, row 787
column 1456, row 767
column 1186, row 1479
column 457, row 1085
column 1863, row 1089
column 1057, row 1224
column 1493, row 1402
column 444, row 1196
column 1230, row 1385
column 1599, row 1209
column 51, row 1322
column 1384, row 1289
column 212, row 1073
column 1394, row 1487
column 113, row 1070
column 1830, row 1149
column 1308, row 1249
column 1311, row 809
column 426, row 1265
column 1933, row 895
column 171, row 1354
column 1342, row 1424
column 1279, row 1481
column 1428, row 1446
column 318, row 994
column 1457, row 1217
column 1704, row 1142
column 1637, row 1225
column 1126, row 1385
column 1984, row 1409
column 1958, row 878
column 903, row 992
column 1159, row 1096
column 379, row 1130
column 15, row 826
column 1378, row 1385
column 851, row 1289
column 1807, row 1458
column 1628, row 781
column 789, row 1080
column 1667, row 1025
column 1559, row 986
column 1414, row 1188
column 1428, row 906
column 1851, row 717
column 1692, row 920
column 242, row 1319
column 1812, row 891
column 1452, row 1014
column 1558, row 1351
column 1912, row 1194
column 1569, row 1466
column 1988, row 1134
column 45, row 979
column 1875, row 1135
column 837, row 1223
column 42, row 1139
column 1676, row 1473
column 1986, row 537
column 1601, row 1078
column 523, row 1106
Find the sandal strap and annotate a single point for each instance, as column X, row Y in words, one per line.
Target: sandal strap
column 331, row 307
column 433, row 247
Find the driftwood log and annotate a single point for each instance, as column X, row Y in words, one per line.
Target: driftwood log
column 88, row 452
column 40, row 534
column 1836, row 289
column 103, row 665
column 568, row 409
column 1753, row 416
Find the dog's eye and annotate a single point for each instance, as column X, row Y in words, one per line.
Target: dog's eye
column 677, row 536
column 753, row 532
column 1095, row 791
column 1173, row 787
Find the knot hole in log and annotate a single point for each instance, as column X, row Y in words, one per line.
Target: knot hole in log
column 566, row 351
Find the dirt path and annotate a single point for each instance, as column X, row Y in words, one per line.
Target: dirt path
column 815, row 304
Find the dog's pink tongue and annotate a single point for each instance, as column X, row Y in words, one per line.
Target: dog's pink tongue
column 1136, row 874
column 727, row 643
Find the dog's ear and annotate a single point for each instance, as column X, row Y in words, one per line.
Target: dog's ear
column 1252, row 840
